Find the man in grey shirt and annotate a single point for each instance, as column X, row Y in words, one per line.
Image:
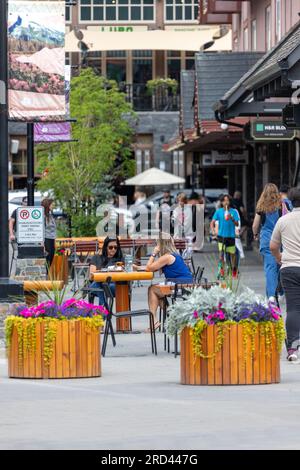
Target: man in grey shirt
column 286, row 235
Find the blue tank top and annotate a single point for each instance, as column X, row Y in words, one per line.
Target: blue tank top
column 270, row 220
column 178, row 271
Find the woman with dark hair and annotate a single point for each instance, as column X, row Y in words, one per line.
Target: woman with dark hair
column 225, row 220
column 50, row 230
column 111, row 254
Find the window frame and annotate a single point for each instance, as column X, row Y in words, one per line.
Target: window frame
column 254, row 36
column 116, row 21
column 268, row 41
column 183, row 21
column 278, row 33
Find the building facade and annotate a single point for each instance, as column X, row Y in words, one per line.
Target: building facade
column 270, row 26
column 132, row 69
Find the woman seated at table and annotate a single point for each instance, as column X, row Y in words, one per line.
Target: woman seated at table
column 166, row 258
column 111, row 254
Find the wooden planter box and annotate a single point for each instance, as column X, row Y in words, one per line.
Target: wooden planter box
column 76, row 354
column 231, row 366
column 59, row 270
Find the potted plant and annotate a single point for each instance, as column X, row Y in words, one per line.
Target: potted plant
column 55, row 340
column 163, row 92
column 227, row 338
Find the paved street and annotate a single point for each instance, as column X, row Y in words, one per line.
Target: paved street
column 139, row 403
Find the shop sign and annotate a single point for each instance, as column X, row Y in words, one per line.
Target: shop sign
column 225, row 158
column 271, row 131
column 117, row 28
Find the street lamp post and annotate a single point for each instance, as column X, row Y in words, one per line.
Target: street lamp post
column 9, row 290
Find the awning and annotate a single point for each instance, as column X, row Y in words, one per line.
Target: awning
column 154, row 177
column 275, row 75
column 222, row 44
column 157, row 40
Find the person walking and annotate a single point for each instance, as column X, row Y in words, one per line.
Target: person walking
column 50, row 231
column 287, row 205
column 268, row 211
column 225, row 220
column 13, row 221
column 183, row 219
column 285, row 247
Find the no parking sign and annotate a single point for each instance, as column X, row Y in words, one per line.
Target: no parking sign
column 30, row 225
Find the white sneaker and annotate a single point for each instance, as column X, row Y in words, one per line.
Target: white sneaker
column 272, row 300
column 293, row 355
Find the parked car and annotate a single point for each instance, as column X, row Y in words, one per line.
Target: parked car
column 15, row 201
column 211, row 197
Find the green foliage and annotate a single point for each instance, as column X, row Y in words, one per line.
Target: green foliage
column 159, row 84
column 76, row 171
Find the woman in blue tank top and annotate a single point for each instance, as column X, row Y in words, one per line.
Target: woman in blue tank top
column 166, row 258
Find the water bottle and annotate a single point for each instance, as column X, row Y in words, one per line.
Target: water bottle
column 128, row 263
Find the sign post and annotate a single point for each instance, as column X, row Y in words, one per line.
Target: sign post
column 30, row 232
column 9, row 289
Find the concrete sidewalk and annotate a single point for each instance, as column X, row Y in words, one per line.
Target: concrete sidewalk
column 139, row 403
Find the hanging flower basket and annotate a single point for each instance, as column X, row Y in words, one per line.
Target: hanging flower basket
column 53, row 341
column 227, row 339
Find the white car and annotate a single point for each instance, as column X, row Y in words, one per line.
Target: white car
column 15, row 201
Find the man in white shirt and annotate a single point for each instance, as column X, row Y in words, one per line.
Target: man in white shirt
column 286, row 234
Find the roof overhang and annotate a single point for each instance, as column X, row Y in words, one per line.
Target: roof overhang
column 267, row 87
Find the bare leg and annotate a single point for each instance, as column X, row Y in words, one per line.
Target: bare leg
column 153, row 300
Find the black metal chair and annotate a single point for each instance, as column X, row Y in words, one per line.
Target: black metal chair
column 129, row 314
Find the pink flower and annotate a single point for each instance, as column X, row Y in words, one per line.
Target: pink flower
column 195, row 314
column 69, row 303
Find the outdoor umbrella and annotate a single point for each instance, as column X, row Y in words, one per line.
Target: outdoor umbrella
column 154, row 177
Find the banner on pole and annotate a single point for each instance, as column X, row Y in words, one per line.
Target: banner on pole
column 56, row 131
column 36, row 38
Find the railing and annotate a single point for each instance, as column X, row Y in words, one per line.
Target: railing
column 138, row 95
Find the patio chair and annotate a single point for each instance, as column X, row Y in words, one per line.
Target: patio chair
column 129, row 314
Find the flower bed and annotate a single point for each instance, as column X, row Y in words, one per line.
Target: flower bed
column 227, row 338
column 55, row 341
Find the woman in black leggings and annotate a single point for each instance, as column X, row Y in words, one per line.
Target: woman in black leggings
column 50, row 231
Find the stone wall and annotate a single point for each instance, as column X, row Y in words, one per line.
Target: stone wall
column 30, row 269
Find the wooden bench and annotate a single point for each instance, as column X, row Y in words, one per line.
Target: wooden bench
column 32, row 289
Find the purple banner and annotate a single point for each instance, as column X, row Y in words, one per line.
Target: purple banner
column 52, row 132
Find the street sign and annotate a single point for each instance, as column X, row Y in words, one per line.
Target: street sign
column 30, row 225
column 271, row 131
column 225, row 158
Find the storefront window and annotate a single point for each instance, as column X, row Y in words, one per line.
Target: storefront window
column 142, row 65
column 68, row 13
column 181, row 10
column 116, row 66
column 174, row 65
column 189, row 60
column 117, row 10
column 94, row 61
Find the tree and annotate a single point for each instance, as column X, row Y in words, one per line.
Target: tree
column 103, row 134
